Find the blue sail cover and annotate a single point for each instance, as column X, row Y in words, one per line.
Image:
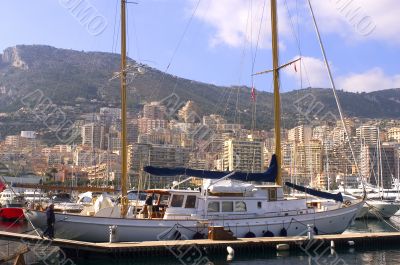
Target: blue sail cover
column 267, row 176
column 337, row 197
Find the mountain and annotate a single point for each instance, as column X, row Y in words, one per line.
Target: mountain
column 81, row 80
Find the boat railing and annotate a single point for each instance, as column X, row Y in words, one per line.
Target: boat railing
column 221, row 217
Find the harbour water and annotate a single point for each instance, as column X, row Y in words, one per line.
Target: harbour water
column 381, row 255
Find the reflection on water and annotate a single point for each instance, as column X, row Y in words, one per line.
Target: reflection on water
column 351, row 256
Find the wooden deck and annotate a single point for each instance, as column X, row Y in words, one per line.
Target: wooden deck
column 161, row 248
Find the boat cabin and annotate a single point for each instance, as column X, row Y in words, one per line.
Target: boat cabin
column 219, row 202
column 176, row 199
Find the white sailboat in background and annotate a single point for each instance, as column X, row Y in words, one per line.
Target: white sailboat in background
column 245, row 209
column 381, row 202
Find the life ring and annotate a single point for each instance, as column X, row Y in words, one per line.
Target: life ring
column 347, row 203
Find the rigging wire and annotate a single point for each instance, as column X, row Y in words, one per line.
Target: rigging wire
column 165, row 73
column 182, row 36
column 334, row 89
column 241, row 66
column 387, row 162
column 113, row 47
column 254, row 57
column 128, row 32
column 296, row 35
column 298, row 41
column 136, row 38
column 227, row 89
column 117, row 27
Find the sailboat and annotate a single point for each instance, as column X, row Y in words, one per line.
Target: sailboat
column 226, row 199
column 381, row 203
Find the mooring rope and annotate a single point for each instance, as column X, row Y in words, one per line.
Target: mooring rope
column 380, row 217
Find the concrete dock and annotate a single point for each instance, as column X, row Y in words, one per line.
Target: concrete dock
column 179, row 247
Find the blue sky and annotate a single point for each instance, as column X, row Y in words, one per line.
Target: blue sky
column 362, row 37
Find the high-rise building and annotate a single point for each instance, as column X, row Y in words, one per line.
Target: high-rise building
column 154, row 111
column 349, row 123
column 308, row 161
column 301, row 134
column 132, row 131
column 379, row 164
column 14, row 140
column 161, row 136
column 321, row 133
column 20, row 142
column 147, row 125
column 244, row 155
column 368, row 134
column 394, row 134
column 338, row 135
column 158, row 155
column 112, row 113
column 93, row 135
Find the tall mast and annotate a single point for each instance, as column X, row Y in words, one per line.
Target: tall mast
column 277, row 101
column 380, row 163
column 124, row 176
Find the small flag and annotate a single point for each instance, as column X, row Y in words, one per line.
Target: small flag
column 253, row 93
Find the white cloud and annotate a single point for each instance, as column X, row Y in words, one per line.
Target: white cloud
column 315, row 74
column 234, row 21
column 371, row 80
column 361, row 19
column 350, row 19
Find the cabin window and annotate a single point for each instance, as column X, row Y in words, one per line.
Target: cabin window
column 240, row 207
column 177, row 200
column 227, row 206
column 259, row 205
column 272, row 194
column 213, row 207
column 190, row 201
column 164, row 199
column 156, row 197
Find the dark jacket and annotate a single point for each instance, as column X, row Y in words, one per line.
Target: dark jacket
column 51, row 218
column 149, row 200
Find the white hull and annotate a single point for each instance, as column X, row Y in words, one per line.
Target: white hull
column 96, row 229
column 379, row 209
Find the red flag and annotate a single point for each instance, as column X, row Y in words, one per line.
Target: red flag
column 253, row 94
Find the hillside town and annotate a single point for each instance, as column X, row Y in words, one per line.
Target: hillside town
column 316, row 155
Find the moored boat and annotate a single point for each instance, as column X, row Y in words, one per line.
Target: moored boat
column 12, row 204
column 262, row 211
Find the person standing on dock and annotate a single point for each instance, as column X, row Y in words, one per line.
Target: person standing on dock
column 51, row 219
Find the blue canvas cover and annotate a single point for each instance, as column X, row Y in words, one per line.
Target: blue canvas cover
column 267, row 176
column 322, row 194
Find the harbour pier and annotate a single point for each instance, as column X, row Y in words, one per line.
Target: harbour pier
column 206, row 246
